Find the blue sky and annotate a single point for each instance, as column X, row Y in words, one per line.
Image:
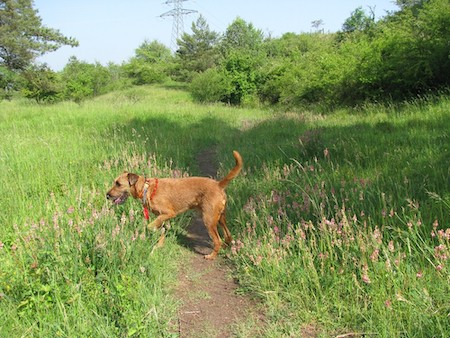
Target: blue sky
column 111, row 30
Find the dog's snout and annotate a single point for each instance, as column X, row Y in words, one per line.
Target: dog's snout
column 108, row 195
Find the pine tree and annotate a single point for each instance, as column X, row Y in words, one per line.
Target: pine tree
column 23, row 37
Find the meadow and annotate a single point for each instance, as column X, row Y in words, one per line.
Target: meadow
column 340, row 219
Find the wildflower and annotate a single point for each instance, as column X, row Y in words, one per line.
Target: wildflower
column 142, row 269
column 374, row 255
column 419, row 274
column 233, row 250
column 1, row 245
column 377, row 235
column 323, row 256
column 280, row 212
column 388, row 303
column 256, row 261
column 236, row 246
column 55, row 221
column 435, row 224
column 70, row 210
column 250, row 207
column 365, row 278
column 439, row 267
column 176, row 173
column 135, row 235
column 301, row 233
column 116, row 231
column 276, row 197
column 391, row 246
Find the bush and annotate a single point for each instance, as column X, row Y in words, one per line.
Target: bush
column 210, row 86
column 8, row 83
column 85, row 80
column 42, row 84
column 243, row 73
column 142, row 72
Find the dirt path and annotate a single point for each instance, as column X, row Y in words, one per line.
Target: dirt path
column 210, row 305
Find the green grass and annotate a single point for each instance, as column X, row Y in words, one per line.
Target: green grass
column 341, row 221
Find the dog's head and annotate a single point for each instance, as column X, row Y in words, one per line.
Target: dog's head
column 124, row 185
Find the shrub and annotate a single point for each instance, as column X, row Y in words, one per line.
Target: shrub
column 210, row 86
column 142, row 72
column 243, row 73
column 85, row 80
column 42, row 84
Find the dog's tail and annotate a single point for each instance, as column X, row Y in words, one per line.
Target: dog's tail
column 234, row 172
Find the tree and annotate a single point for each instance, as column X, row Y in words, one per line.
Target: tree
column 243, row 36
column 316, row 24
column 359, row 21
column 198, row 52
column 42, row 84
column 23, row 37
column 150, row 64
column 410, row 3
column 153, row 52
column 84, row 80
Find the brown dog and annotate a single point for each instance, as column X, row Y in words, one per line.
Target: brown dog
column 168, row 197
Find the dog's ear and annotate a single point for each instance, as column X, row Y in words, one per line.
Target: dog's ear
column 132, row 179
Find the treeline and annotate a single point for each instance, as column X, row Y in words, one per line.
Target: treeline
column 404, row 54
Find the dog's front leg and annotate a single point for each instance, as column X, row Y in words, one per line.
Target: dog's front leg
column 160, row 240
column 158, row 222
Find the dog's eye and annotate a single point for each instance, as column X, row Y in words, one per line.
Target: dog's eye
column 117, row 184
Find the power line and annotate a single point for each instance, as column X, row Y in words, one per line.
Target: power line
column 177, row 12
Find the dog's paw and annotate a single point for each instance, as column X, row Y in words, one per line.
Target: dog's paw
column 211, row 256
column 152, row 226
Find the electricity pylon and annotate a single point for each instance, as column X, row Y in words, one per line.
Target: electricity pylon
column 177, row 12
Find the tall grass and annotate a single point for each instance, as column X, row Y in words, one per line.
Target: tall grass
column 348, row 228
column 341, row 221
column 70, row 264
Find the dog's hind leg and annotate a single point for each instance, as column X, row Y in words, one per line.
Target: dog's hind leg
column 211, row 218
column 223, row 224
